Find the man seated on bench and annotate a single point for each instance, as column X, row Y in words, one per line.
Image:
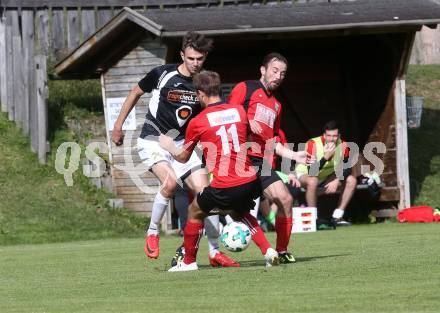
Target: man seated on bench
column 330, row 151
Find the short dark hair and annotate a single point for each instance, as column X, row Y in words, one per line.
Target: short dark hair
column 331, row 125
column 274, row 55
column 197, row 41
column 208, row 82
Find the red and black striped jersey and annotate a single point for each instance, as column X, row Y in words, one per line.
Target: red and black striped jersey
column 222, row 130
column 261, row 106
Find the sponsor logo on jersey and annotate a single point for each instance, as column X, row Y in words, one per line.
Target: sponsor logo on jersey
column 182, row 96
column 265, row 115
column 182, row 114
column 223, row 117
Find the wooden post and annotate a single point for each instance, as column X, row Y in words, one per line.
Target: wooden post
column 43, row 31
column 33, row 107
column 42, row 93
column 27, row 18
column 9, row 67
column 104, row 15
column 107, row 131
column 72, row 28
column 402, row 144
column 17, row 64
column 88, row 25
column 3, row 77
column 17, row 79
column 58, row 38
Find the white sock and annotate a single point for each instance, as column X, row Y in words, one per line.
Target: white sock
column 228, row 219
column 338, row 213
column 254, row 211
column 212, row 232
column 160, row 205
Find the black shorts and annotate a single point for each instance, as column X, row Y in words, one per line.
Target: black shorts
column 269, row 176
column 239, row 198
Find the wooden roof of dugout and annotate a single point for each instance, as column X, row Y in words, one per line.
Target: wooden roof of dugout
column 108, row 44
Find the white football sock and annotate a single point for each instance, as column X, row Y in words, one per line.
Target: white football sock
column 254, row 211
column 338, row 213
column 228, row 219
column 160, row 205
column 212, row 232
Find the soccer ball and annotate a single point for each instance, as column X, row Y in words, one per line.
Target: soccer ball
column 236, row 236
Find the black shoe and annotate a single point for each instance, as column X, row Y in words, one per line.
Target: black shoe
column 178, row 256
column 286, row 258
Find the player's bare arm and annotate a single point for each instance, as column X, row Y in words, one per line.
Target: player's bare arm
column 181, row 155
column 300, row 157
column 129, row 103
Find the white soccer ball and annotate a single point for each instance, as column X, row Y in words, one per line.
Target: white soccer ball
column 236, row 236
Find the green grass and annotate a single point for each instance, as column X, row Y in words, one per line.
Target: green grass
column 375, row 268
column 37, row 206
column 423, row 143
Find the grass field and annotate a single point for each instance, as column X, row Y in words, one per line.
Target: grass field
column 365, row 268
column 36, row 205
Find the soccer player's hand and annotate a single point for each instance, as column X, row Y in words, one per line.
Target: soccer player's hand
column 117, row 137
column 329, row 150
column 166, row 142
column 310, row 159
column 294, row 181
column 332, row 186
column 255, row 127
column 300, row 157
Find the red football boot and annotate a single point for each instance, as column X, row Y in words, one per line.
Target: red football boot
column 151, row 247
column 222, row 260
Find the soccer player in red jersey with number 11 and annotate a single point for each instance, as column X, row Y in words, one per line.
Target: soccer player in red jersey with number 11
column 222, row 130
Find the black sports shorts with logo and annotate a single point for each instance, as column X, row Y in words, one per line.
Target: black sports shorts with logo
column 238, row 198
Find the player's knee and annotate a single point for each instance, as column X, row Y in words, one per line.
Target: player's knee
column 286, row 202
column 351, row 181
column 312, row 182
column 195, row 212
column 168, row 188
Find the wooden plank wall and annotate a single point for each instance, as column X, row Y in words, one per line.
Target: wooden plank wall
column 117, row 82
column 385, row 132
column 18, row 78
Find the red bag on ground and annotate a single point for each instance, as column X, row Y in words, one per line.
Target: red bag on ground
column 418, row 214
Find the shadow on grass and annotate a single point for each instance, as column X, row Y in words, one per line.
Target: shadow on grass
column 423, row 146
column 262, row 263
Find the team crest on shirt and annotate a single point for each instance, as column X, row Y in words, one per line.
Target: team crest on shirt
column 265, row 115
column 277, row 106
column 182, row 114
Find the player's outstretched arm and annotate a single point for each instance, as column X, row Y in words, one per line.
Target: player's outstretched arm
column 179, row 154
column 129, row 103
column 301, row 157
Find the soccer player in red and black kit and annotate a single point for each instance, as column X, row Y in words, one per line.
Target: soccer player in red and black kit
column 222, row 131
column 173, row 103
column 264, row 114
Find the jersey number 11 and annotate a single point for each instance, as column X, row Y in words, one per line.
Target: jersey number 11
column 223, row 133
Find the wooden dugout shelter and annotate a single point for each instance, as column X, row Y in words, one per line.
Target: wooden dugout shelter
column 347, row 62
